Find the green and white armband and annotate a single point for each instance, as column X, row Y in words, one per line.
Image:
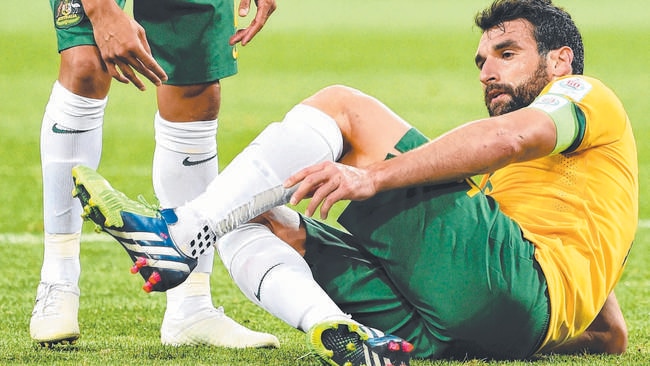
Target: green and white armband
column 568, row 118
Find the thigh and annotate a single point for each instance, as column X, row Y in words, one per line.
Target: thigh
column 361, row 288
column 458, row 260
column 189, row 38
column 72, row 26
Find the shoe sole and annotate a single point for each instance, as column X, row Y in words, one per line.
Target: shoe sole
column 66, row 341
column 338, row 332
column 354, row 347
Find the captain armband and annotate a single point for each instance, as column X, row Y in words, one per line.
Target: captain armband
column 568, row 120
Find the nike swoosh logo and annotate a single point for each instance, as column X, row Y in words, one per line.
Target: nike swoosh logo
column 259, row 287
column 188, row 162
column 64, row 212
column 57, row 129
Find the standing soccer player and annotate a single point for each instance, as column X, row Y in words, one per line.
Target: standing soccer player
column 184, row 47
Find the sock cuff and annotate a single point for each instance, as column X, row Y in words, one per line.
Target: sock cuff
column 321, row 123
column 198, row 137
column 74, row 112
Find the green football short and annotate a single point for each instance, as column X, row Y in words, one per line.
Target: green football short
column 440, row 266
column 188, row 38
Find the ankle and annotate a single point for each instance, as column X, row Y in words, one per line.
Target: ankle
column 192, row 234
column 61, row 258
column 191, row 295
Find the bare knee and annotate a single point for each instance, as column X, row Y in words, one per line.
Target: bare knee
column 369, row 128
column 334, row 100
column 82, row 72
column 336, row 92
column 198, row 102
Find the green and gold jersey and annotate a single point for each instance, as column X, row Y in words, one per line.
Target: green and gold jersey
column 579, row 205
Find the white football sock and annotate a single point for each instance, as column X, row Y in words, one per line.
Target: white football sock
column 71, row 134
column 274, row 276
column 184, row 162
column 61, row 258
column 192, row 295
column 252, row 182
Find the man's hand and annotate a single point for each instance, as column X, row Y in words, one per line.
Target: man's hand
column 122, row 44
column 329, row 182
column 264, row 10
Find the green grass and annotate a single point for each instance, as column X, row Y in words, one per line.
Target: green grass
column 417, row 56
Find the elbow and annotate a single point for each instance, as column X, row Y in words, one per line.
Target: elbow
column 616, row 340
column 503, row 145
column 515, row 149
column 503, row 153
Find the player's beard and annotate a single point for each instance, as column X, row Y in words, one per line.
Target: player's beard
column 522, row 95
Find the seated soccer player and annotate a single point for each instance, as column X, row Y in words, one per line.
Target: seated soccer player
column 523, row 262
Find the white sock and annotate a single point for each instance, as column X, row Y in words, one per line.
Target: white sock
column 192, row 295
column 71, row 134
column 274, row 276
column 184, row 162
column 61, row 258
column 252, row 182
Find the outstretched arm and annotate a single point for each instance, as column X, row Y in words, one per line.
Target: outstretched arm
column 474, row 148
column 606, row 334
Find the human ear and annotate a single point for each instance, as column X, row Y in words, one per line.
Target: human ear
column 560, row 61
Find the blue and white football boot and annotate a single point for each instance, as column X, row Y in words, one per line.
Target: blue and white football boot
column 345, row 343
column 143, row 231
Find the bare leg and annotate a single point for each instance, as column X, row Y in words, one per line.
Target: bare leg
column 369, row 128
column 606, row 334
column 189, row 102
column 82, row 72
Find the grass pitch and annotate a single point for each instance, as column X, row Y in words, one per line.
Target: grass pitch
column 416, row 56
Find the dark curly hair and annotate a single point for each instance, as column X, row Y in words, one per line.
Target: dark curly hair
column 553, row 26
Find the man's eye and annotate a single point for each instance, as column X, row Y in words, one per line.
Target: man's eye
column 508, row 55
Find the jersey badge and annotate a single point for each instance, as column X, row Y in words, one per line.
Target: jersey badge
column 549, row 102
column 573, row 87
column 68, row 13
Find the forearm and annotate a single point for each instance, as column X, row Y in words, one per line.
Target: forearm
column 454, row 156
column 477, row 147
